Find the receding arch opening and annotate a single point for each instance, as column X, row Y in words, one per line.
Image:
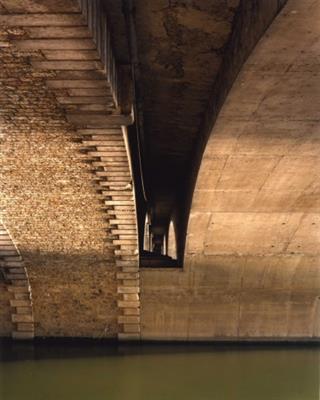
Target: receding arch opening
column 172, row 242
column 159, row 248
column 147, row 234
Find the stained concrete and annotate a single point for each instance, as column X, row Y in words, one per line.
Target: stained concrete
column 252, row 260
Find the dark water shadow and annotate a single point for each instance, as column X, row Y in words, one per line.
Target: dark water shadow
column 66, row 348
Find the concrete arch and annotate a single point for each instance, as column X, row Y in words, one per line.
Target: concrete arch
column 252, row 252
column 255, row 216
column 172, row 241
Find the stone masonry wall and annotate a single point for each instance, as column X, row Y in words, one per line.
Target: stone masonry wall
column 51, row 208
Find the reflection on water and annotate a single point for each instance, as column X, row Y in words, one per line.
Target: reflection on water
column 90, row 372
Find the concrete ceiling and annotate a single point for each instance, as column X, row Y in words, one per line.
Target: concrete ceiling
column 180, row 45
column 180, row 49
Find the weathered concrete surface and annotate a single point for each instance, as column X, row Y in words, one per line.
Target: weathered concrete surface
column 181, row 46
column 250, row 23
column 252, row 262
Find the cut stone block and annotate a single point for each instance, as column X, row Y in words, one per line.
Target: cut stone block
column 129, row 336
column 53, row 32
column 43, row 20
column 24, row 310
column 20, row 303
column 128, row 304
column 14, row 270
column 129, row 320
column 71, row 55
column 17, row 276
column 84, row 100
column 130, row 296
column 22, row 335
column 21, row 318
column 66, row 65
column 25, row 327
column 128, row 289
column 5, row 253
column 54, row 44
column 18, row 289
column 131, row 311
column 132, row 282
column 21, row 283
column 22, row 296
column 131, row 328
column 127, row 275
column 75, row 84
column 129, row 269
column 99, row 120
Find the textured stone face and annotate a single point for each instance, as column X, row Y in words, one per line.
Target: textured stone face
column 51, row 209
column 76, row 230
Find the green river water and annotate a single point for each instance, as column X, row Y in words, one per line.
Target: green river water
column 164, row 372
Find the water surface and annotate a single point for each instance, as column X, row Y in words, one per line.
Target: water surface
column 204, row 372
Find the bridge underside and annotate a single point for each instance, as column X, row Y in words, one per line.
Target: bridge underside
column 252, row 261
column 71, row 183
